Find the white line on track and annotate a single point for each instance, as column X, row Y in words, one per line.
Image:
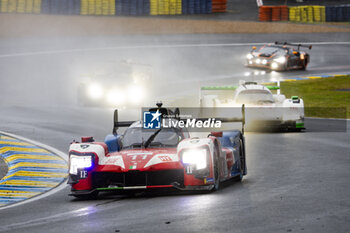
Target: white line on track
column 49, row 148
column 170, row 46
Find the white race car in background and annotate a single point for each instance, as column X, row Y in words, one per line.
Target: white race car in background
column 264, row 110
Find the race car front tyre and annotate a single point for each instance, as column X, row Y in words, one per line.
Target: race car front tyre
column 303, row 67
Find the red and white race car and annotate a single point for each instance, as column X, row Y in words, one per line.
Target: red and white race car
column 156, row 158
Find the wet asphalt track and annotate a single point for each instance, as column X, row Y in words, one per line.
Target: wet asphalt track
column 297, row 182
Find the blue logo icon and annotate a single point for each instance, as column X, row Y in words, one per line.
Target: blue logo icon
column 151, row 120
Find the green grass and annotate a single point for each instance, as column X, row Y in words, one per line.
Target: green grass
column 321, row 98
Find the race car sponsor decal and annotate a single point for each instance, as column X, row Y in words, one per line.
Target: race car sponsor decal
column 136, row 157
column 84, row 146
column 140, row 153
column 83, row 174
column 165, row 158
column 189, row 169
column 114, row 160
column 162, row 158
column 208, row 180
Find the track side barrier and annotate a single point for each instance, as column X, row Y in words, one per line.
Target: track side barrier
column 273, row 13
column 113, row 7
column 305, row 14
column 219, row 5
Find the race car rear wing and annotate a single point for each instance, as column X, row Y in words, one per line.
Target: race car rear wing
column 231, row 119
column 118, row 123
column 298, row 45
column 232, row 88
column 218, row 88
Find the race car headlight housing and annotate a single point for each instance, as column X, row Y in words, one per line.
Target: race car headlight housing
column 249, row 56
column 274, row 65
column 197, row 157
column 280, row 60
column 79, row 162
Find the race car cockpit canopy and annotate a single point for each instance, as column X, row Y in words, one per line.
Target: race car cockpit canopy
column 136, row 137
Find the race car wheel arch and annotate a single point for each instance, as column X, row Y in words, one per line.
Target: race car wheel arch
column 304, row 65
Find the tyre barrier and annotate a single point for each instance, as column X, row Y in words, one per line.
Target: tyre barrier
column 65, row 7
column 305, row 14
column 219, row 5
column 265, row 13
column 180, row 7
column 113, row 7
column 338, row 13
column 276, row 14
column 21, row 6
column 273, row 13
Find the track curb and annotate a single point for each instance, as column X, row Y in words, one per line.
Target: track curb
column 291, row 79
column 35, row 170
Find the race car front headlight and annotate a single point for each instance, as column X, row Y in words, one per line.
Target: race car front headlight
column 95, row 91
column 197, row 157
column 274, row 65
column 264, row 62
column 280, row 60
column 79, row 162
column 249, row 56
column 257, row 61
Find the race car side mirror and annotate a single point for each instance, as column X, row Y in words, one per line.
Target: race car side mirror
column 87, row 139
column 216, row 134
column 310, row 47
column 295, row 99
column 296, row 53
column 253, row 48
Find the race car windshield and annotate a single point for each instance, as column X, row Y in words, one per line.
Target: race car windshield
column 272, row 50
column 254, row 97
column 137, row 137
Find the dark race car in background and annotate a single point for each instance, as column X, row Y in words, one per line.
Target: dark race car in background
column 279, row 57
column 116, row 84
